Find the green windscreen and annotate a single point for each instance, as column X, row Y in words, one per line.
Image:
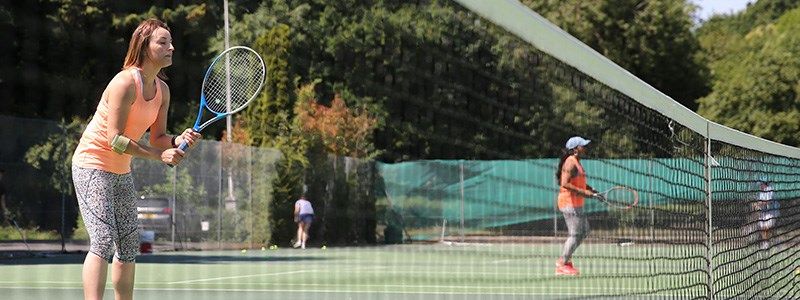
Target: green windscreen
column 486, row 195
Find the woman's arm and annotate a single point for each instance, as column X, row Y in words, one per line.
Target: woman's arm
column 120, row 97
column 121, row 94
column 566, row 174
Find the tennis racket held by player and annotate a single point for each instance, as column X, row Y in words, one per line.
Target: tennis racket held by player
column 621, row 197
column 232, row 82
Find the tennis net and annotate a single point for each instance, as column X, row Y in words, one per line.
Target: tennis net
column 488, row 92
column 702, row 228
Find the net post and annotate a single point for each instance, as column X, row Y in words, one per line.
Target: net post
column 709, row 214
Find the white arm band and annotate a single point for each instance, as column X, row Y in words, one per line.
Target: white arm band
column 120, row 143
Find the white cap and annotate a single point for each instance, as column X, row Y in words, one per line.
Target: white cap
column 576, row 141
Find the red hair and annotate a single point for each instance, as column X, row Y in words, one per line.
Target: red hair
column 139, row 40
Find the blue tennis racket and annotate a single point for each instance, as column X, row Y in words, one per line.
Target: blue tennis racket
column 233, row 80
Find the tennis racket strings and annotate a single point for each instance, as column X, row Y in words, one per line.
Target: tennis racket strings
column 236, row 75
column 621, row 197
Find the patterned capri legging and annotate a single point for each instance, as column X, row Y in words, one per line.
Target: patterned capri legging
column 108, row 206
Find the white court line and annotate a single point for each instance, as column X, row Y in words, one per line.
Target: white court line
column 263, row 274
column 339, row 291
column 363, row 269
column 241, row 276
column 206, row 281
column 401, row 286
column 381, row 288
column 463, row 287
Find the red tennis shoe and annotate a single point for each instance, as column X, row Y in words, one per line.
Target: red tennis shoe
column 566, row 268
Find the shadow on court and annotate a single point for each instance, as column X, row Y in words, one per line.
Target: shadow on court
column 8, row 258
column 58, row 258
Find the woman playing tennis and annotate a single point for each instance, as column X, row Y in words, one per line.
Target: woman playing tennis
column 767, row 210
column 136, row 99
column 303, row 216
column 572, row 180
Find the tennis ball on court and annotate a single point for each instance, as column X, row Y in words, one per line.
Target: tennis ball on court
column 797, row 271
column 323, row 247
column 244, row 250
column 263, row 248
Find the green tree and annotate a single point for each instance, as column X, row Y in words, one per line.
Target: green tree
column 56, row 153
column 70, row 49
column 262, row 118
column 757, row 73
column 288, row 183
column 54, row 157
column 651, row 39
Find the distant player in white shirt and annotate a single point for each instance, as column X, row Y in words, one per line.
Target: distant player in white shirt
column 766, row 209
column 303, row 216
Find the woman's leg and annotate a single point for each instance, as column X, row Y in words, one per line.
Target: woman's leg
column 306, row 225
column 94, row 190
column 299, row 239
column 578, row 227
column 124, row 265
column 94, row 273
column 123, row 275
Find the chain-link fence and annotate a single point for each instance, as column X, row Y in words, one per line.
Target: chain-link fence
column 222, row 195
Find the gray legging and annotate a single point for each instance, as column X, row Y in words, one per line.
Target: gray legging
column 578, row 226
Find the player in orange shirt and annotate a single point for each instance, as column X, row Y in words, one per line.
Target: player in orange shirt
column 573, row 190
column 136, row 99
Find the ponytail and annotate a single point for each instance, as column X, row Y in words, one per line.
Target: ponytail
column 564, row 155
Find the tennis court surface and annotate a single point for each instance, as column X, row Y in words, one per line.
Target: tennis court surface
column 411, row 271
column 483, row 96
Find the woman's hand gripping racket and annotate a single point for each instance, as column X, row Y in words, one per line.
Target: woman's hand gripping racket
column 233, row 80
column 621, row 197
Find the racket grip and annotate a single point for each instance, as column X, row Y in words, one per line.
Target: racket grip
column 599, row 196
column 182, row 146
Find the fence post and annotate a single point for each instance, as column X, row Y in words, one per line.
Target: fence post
column 709, row 214
column 462, row 201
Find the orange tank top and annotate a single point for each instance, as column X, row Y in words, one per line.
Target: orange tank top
column 94, row 152
column 567, row 197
